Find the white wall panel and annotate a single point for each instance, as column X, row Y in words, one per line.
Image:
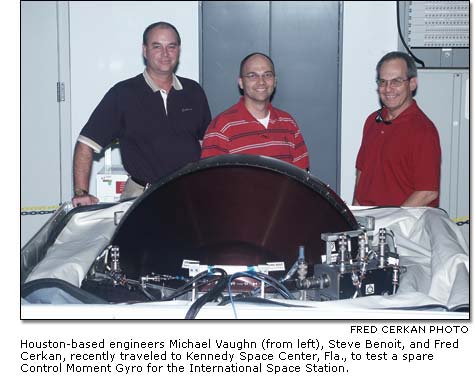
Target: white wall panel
column 40, row 126
column 441, row 95
column 106, row 47
column 369, row 32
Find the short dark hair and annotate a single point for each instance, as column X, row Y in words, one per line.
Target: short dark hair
column 411, row 65
column 243, row 62
column 160, row 25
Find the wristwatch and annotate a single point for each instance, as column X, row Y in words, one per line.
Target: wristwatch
column 80, row 192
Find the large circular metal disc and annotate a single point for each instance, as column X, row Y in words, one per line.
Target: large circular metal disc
column 229, row 210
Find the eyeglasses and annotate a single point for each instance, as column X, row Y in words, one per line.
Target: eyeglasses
column 395, row 82
column 254, row 76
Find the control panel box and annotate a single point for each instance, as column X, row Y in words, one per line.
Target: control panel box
column 437, row 33
column 110, row 183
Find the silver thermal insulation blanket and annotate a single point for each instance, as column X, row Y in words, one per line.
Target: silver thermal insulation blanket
column 430, row 246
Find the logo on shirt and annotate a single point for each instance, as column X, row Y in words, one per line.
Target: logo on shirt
column 186, row 109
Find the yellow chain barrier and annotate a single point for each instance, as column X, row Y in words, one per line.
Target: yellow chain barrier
column 460, row 221
column 38, row 210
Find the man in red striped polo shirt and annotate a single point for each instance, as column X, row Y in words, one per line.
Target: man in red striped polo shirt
column 253, row 125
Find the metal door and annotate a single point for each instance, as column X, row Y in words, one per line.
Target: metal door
column 41, row 114
column 303, row 39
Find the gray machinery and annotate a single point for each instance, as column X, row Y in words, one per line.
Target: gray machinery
column 252, row 226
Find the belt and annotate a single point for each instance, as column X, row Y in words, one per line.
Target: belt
column 140, row 182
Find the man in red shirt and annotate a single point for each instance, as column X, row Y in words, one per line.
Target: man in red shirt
column 253, row 125
column 398, row 163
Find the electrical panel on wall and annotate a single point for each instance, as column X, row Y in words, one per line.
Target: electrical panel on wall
column 436, row 32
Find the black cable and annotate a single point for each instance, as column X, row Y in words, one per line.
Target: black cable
column 402, row 39
column 279, row 286
column 206, row 298
column 210, row 295
column 150, row 296
column 224, row 280
column 258, row 300
column 188, row 286
column 227, row 299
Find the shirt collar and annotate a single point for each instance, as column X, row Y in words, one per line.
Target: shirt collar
column 176, row 82
column 243, row 106
column 413, row 108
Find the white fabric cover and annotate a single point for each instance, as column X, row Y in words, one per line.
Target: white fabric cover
column 81, row 241
column 430, row 245
column 432, row 248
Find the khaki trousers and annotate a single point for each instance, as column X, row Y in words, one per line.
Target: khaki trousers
column 131, row 189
